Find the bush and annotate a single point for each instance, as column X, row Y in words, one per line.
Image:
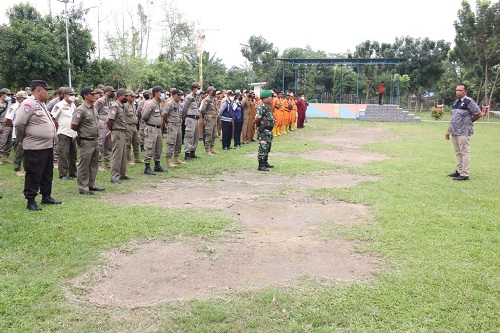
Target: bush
column 437, row 113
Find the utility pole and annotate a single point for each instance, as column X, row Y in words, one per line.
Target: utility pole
column 200, row 38
column 67, row 37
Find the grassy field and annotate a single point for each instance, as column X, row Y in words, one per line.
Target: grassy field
column 440, row 242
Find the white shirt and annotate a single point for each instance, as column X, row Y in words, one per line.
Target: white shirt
column 63, row 113
column 11, row 115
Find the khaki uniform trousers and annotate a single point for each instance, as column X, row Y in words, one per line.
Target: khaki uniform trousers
column 192, row 135
column 210, row 132
column 88, row 151
column 174, row 141
column 462, row 151
column 105, row 143
column 18, row 155
column 154, row 144
column 132, row 141
column 67, row 156
column 5, row 140
column 119, row 161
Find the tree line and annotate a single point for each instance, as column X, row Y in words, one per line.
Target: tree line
column 34, row 46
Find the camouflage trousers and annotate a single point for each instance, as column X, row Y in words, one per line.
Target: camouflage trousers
column 265, row 139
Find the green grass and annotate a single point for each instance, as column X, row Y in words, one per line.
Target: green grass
column 440, row 242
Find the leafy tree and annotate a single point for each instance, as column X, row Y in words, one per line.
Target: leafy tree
column 262, row 56
column 178, row 37
column 477, row 39
column 39, row 46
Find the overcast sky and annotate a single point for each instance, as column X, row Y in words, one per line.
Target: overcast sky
column 332, row 26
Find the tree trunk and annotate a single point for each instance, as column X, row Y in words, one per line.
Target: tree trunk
column 486, row 82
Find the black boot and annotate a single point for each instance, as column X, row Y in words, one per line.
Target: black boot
column 267, row 164
column 48, row 200
column 32, row 205
column 147, row 169
column 158, row 167
column 262, row 166
column 193, row 155
column 187, row 156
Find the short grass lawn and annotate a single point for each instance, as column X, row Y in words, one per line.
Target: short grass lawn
column 439, row 240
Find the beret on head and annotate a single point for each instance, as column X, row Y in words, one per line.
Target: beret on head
column 266, row 93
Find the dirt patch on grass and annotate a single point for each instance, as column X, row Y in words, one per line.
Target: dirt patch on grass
column 344, row 156
column 278, row 242
column 278, row 237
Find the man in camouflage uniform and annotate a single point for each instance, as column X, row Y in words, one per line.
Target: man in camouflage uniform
column 172, row 117
column 102, row 106
column 264, row 122
column 209, row 113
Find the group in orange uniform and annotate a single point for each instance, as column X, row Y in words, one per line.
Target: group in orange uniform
column 285, row 113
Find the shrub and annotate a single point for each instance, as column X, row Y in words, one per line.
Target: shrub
column 437, row 113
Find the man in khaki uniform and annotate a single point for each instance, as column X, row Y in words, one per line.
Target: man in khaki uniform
column 5, row 131
column 36, row 130
column 132, row 132
column 191, row 113
column 172, row 117
column 118, row 128
column 152, row 116
column 142, row 125
column 62, row 113
column 209, row 113
column 10, row 119
column 86, row 123
column 247, row 104
column 102, row 106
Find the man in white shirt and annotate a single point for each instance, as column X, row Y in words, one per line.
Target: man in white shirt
column 10, row 119
column 62, row 114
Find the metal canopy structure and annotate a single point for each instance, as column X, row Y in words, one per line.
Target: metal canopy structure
column 345, row 61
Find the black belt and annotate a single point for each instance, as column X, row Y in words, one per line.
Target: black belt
column 269, row 128
column 193, row 117
column 89, row 139
column 157, row 126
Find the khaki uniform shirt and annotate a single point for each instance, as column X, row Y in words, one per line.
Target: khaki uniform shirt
column 208, row 107
column 4, row 106
column 34, row 125
column 190, row 107
column 152, row 113
column 102, row 106
column 130, row 114
column 86, row 118
column 117, row 114
column 52, row 103
column 173, row 112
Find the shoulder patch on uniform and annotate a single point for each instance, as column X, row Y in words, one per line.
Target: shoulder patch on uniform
column 26, row 110
column 113, row 111
column 27, row 105
column 78, row 114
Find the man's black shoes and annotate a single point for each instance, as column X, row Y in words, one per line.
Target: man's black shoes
column 455, row 174
column 48, row 200
column 461, row 178
column 33, row 206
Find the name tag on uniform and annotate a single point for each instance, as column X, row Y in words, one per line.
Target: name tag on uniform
column 39, row 113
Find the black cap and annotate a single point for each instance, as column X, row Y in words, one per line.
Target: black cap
column 177, row 92
column 39, row 83
column 86, row 91
column 157, row 88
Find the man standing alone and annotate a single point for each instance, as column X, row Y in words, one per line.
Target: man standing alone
column 380, row 92
column 36, row 130
column 465, row 111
